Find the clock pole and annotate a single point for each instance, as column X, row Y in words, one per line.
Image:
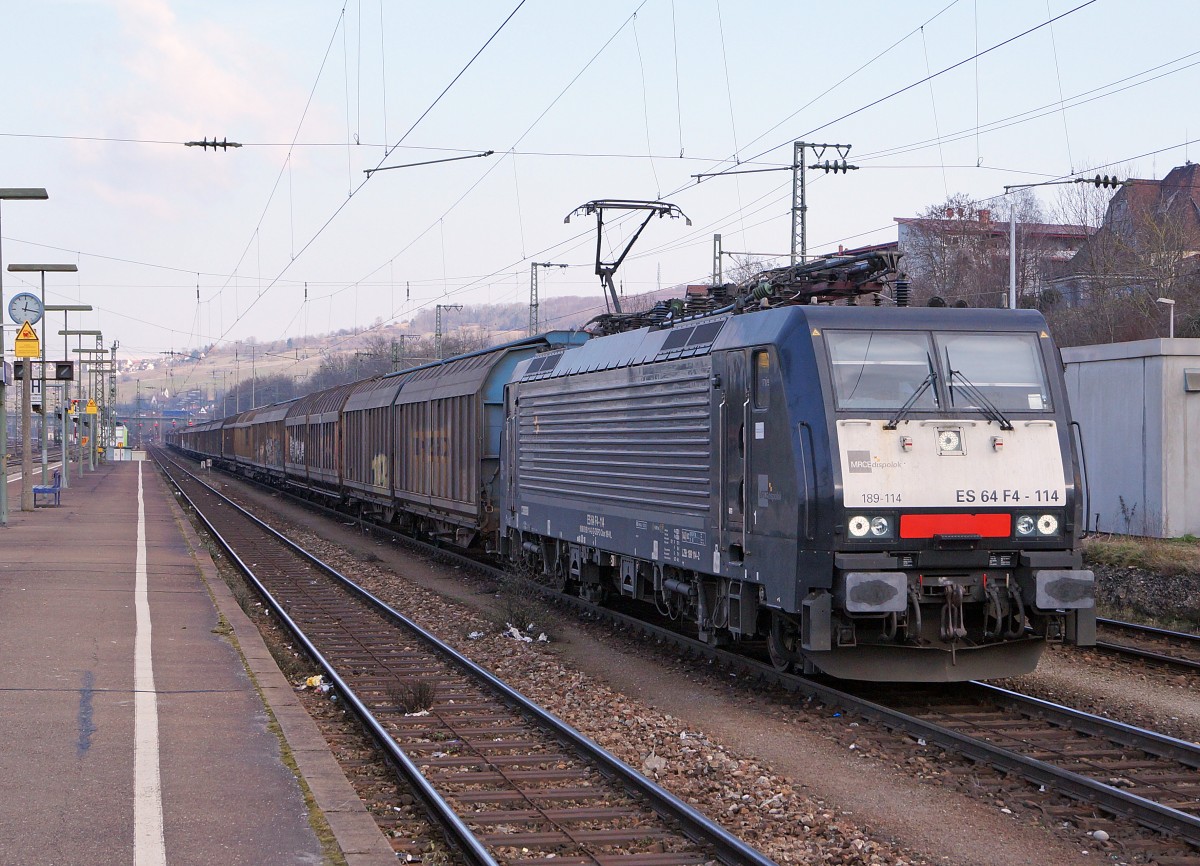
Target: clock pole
column 56, row 268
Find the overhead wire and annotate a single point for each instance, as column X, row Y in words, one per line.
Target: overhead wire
column 295, row 136
column 936, row 127
column 736, row 157
column 975, row 19
column 678, row 97
column 1058, row 75
column 737, row 183
column 939, row 138
column 1082, row 98
column 383, row 70
column 487, row 172
column 342, row 205
column 911, row 85
column 646, row 107
column 550, row 250
column 346, row 102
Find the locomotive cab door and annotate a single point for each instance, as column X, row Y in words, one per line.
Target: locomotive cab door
column 509, row 447
column 733, row 408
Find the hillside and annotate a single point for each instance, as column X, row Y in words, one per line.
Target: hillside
column 199, row 376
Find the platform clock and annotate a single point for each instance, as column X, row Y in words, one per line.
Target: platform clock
column 25, row 307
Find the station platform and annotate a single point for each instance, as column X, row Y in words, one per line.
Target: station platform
column 137, row 726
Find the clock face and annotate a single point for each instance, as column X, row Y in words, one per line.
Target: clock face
column 949, row 440
column 25, row 307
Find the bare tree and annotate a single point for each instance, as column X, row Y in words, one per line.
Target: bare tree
column 952, row 251
column 742, row 268
column 1145, row 247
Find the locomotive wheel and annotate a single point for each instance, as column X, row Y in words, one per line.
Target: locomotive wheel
column 783, row 642
column 559, row 581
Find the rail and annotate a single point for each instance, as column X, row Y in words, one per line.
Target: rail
column 673, row 811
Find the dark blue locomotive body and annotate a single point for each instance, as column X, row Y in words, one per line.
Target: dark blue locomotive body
column 834, row 479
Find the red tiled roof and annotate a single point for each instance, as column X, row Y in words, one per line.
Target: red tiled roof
column 1001, row 227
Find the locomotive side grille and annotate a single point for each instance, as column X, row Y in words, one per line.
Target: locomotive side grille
column 644, row 443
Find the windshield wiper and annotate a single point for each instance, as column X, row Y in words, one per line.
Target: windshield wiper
column 985, row 405
column 929, row 382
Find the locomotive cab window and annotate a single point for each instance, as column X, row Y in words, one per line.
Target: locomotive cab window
column 762, row 379
column 882, row 371
column 1003, row 369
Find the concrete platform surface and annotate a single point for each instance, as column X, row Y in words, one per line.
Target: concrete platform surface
column 134, row 727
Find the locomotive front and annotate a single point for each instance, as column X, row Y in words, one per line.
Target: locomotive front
column 951, row 505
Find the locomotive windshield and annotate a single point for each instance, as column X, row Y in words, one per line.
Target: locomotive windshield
column 1005, row 368
column 970, row 371
column 874, row 370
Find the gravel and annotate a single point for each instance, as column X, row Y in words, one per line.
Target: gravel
column 1173, row 602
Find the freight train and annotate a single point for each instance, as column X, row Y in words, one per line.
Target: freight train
column 886, row 493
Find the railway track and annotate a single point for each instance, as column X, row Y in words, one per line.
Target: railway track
column 507, row 782
column 1125, row 770
column 1173, row 649
column 1147, row 778
column 14, row 458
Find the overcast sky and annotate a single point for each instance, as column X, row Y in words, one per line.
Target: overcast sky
column 579, row 101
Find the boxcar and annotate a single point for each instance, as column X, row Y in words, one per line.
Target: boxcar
column 367, row 433
column 449, row 424
column 313, row 429
column 200, row 440
column 259, row 441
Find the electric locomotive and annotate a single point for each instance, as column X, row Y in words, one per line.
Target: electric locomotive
column 877, row 493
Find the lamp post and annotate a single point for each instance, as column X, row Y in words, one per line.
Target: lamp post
column 66, row 437
column 81, row 334
column 1169, row 303
column 8, row 194
column 58, row 269
column 1012, row 235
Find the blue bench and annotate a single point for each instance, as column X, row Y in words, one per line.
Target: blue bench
column 49, row 490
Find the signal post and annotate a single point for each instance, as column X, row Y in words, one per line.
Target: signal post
column 85, row 358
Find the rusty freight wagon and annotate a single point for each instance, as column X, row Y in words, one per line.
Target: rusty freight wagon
column 313, row 430
column 367, row 426
column 258, row 441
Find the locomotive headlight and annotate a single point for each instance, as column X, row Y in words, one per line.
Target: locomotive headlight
column 1041, row 525
column 872, row 526
column 1047, row 524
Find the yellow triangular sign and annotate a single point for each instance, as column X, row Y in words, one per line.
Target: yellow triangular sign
column 26, row 344
column 91, row 408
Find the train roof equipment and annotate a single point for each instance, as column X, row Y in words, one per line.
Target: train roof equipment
column 822, row 281
column 605, row 270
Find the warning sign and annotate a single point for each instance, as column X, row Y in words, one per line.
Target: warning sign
column 27, row 344
column 91, row 408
